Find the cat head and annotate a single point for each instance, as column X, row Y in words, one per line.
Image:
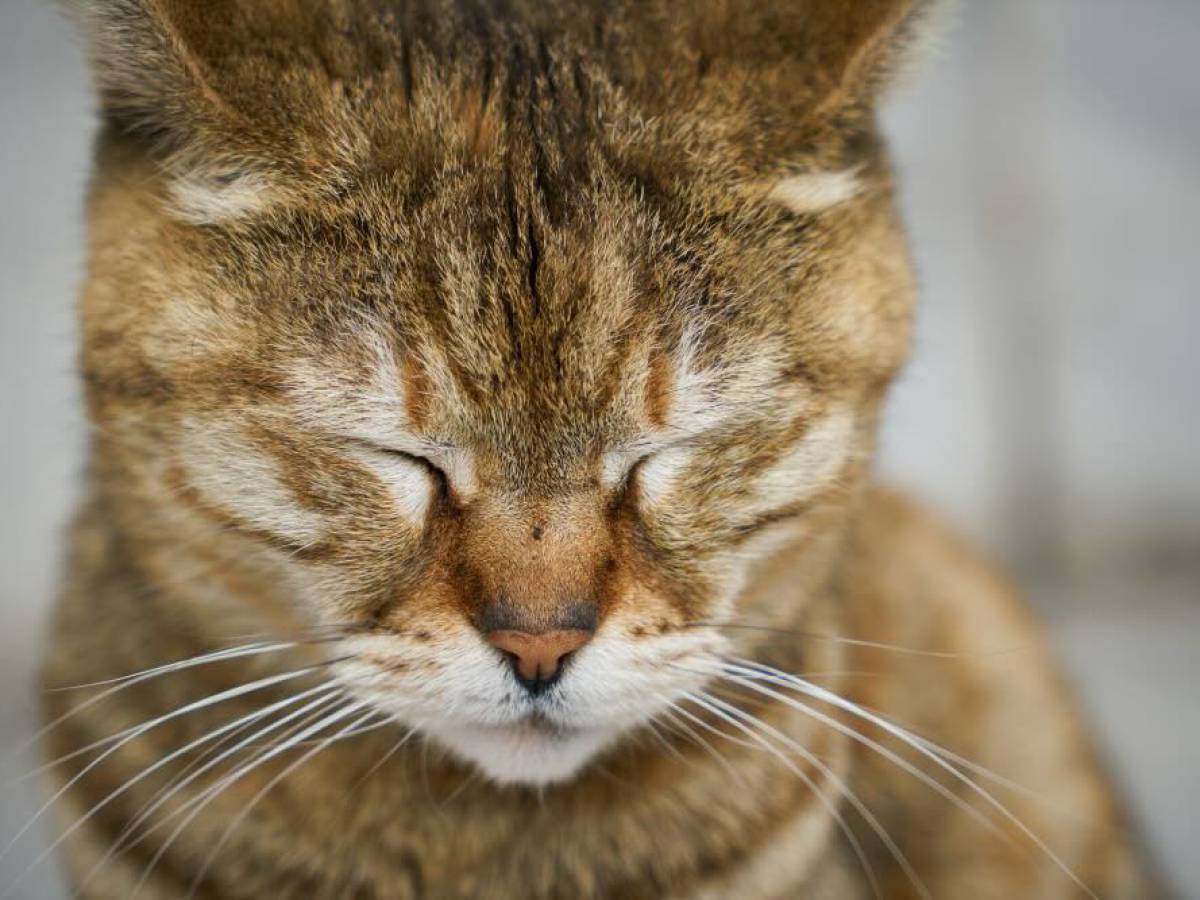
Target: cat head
column 517, row 341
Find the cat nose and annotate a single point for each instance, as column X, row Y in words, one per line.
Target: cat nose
column 537, row 658
column 538, row 639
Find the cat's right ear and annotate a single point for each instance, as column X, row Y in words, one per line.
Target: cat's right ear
column 150, row 77
column 155, row 83
column 204, row 86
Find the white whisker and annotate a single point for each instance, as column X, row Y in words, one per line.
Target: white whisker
column 124, row 681
column 653, row 731
column 170, row 790
column 395, row 748
column 869, row 817
column 710, row 703
column 749, row 667
column 676, row 710
column 198, row 803
column 150, row 770
column 139, row 730
column 352, row 728
column 299, row 719
column 856, row 736
column 252, row 649
column 860, row 642
column 992, row 776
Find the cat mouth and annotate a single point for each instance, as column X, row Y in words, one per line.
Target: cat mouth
column 537, row 726
column 532, row 749
column 537, row 723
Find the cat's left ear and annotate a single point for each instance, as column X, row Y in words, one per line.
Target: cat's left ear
column 781, row 84
column 859, row 48
column 835, row 53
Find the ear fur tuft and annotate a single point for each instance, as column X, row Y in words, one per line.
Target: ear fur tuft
column 814, row 192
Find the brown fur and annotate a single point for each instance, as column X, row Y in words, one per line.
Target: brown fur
column 528, row 213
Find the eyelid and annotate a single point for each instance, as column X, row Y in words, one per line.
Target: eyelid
column 410, row 456
column 414, row 458
column 403, row 454
column 621, row 462
column 400, row 445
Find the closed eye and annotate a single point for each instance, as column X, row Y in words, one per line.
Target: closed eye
column 433, row 469
column 619, row 467
column 413, row 480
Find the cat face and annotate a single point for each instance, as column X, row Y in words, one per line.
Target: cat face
column 521, row 411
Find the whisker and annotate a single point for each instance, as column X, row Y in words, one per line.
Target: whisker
column 984, row 772
column 711, row 705
column 204, row 757
column 150, row 770
column 1009, row 784
column 833, row 699
column 176, row 785
column 473, row 777
column 124, row 681
column 856, row 736
column 854, row 642
column 139, row 730
column 112, row 738
column 866, row 741
column 325, row 631
column 346, row 732
column 215, row 656
column 708, row 745
column 875, row 825
column 288, row 740
column 395, row 748
column 664, row 743
column 733, row 739
column 735, row 694
column 198, row 803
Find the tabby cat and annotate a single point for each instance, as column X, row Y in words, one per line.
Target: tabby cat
column 479, row 505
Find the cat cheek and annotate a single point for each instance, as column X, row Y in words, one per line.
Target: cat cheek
column 221, row 469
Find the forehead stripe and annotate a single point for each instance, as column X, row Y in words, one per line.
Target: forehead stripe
column 659, row 383
column 415, row 390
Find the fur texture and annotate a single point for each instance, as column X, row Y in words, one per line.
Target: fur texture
column 406, row 319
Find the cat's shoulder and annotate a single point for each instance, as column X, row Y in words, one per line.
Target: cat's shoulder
column 907, row 554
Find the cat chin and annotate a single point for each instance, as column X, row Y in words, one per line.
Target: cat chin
column 523, row 753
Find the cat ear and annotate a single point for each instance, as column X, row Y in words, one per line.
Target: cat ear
column 836, row 53
column 225, row 94
column 151, row 75
column 789, row 86
column 858, row 48
column 155, row 82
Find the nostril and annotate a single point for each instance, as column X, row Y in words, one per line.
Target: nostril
column 538, row 659
column 512, row 658
column 540, row 682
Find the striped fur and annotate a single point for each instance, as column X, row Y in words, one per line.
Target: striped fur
column 399, row 311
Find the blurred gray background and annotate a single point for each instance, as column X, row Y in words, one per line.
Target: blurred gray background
column 1050, row 157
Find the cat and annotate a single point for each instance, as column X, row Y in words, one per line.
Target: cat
column 480, row 501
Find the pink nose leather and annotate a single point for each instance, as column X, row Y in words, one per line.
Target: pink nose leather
column 538, row 656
